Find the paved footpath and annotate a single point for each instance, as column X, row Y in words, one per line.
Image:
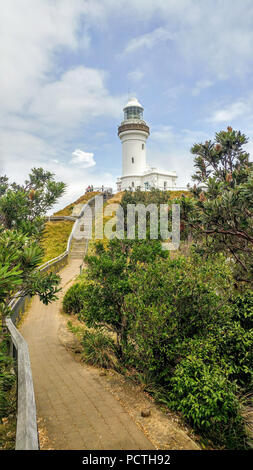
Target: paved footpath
column 78, row 411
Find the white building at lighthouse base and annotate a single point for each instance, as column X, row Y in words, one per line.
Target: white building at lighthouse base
column 151, row 178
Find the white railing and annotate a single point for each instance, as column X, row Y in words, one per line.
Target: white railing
column 103, row 189
column 54, row 218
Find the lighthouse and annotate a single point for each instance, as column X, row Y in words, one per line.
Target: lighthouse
column 133, row 133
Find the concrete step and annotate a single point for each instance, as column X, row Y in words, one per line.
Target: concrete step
column 76, row 255
column 78, row 247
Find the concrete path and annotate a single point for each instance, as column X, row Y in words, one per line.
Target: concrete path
column 78, row 411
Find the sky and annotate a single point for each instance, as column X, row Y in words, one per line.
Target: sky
column 68, row 68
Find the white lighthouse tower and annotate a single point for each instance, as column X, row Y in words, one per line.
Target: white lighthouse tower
column 133, row 133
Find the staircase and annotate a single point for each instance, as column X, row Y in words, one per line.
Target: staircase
column 78, row 248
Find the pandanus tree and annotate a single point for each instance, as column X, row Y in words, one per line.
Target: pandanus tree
column 220, row 213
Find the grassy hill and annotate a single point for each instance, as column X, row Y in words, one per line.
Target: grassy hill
column 81, row 200
column 56, row 234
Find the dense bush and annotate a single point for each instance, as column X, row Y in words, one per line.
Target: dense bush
column 190, row 331
column 73, row 299
column 238, row 340
column 208, row 400
column 7, row 381
column 243, row 309
column 156, row 197
column 171, row 302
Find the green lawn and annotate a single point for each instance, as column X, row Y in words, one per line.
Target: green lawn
column 55, row 238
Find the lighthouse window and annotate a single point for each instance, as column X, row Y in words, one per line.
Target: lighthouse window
column 133, row 113
column 142, row 146
column 132, row 160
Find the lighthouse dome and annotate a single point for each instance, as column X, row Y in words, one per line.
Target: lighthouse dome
column 133, row 102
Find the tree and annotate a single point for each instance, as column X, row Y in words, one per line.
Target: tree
column 19, row 258
column 103, row 296
column 23, row 207
column 22, row 210
column 224, row 159
column 220, row 214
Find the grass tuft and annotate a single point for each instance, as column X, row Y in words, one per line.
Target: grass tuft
column 99, row 350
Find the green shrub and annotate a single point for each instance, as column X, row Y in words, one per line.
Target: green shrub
column 7, row 381
column 209, row 402
column 173, row 301
column 235, row 346
column 242, row 308
column 99, row 350
column 238, row 340
column 73, row 299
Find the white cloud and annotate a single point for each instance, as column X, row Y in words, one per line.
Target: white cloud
column 83, row 159
column 170, row 149
column 189, row 137
column 36, row 95
column 175, row 91
column 19, row 146
column 79, row 95
column 214, row 36
column 201, row 85
column 23, row 152
column 148, row 40
column 135, row 75
column 30, row 36
column 230, row 112
column 43, row 106
column 163, row 134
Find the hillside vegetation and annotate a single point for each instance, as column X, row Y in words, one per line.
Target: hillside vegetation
column 56, row 233
column 182, row 323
